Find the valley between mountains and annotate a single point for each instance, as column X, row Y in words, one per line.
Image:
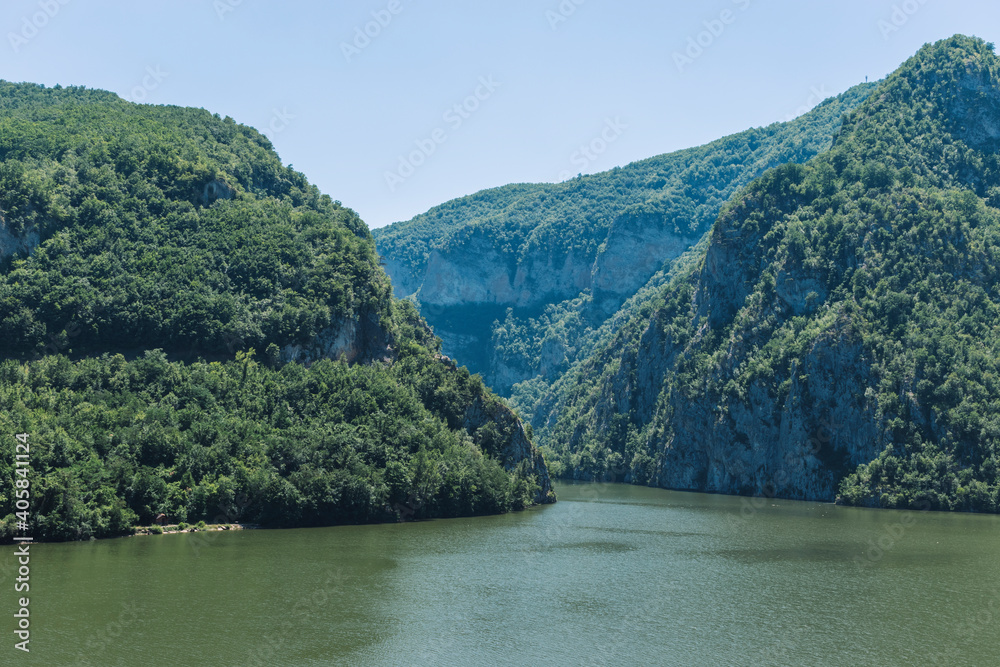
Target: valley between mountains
column 806, row 310
column 809, row 310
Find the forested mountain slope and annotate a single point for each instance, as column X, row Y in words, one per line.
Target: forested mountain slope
column 189, row 327
column 840, row 332
column 515, row 279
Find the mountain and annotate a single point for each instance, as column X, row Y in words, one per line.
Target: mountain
column 515, row 280
column 188, row 327
column 838, row 334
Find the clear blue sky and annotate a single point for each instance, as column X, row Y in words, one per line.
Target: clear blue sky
column 345, row 116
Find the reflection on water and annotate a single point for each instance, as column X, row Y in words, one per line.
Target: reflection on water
column 609, row 575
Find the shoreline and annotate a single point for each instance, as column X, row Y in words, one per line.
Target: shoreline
column 174, row 529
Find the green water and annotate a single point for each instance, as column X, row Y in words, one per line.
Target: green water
column 610, row 575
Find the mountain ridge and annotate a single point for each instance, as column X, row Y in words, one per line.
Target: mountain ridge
column 836, row 338
column 574, row 251
column 185, row 321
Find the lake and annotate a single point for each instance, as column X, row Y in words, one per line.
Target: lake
column 610, row 575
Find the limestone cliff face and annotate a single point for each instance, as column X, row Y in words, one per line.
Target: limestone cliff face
column 477, row 272
column 796, row 447
column 517, row 447
column 358, row 340
column 16, row 244
column 481, row 279
column 404, row 276
column 977, row 104
column 366, row 340
column 637, row 246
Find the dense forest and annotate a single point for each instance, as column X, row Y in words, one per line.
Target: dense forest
column 168, row 226
column 837, row 335
column 686, row 187
column 567, row 255
column 191, row 328
column 188, row 327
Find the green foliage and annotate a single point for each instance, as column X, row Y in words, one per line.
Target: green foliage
column 687, row 187
column 529, row 225
column 172, row 244
column 238, row 441
column 168, row 226
column 889, row 242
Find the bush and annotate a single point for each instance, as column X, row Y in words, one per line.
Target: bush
column 136, row 253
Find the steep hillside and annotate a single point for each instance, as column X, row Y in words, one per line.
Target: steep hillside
column 515, row 279
column 840, row 332
column 191, row 328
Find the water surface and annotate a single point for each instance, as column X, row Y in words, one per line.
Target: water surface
column 610, row 575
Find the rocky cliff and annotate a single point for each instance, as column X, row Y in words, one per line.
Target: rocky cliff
column 217, row 328
column 564, row 257
column 837, row 335
column 359, row 339
column 13, row 245
column 513, row 447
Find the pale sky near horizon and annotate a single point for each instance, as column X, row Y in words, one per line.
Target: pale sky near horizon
column 534, row 81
